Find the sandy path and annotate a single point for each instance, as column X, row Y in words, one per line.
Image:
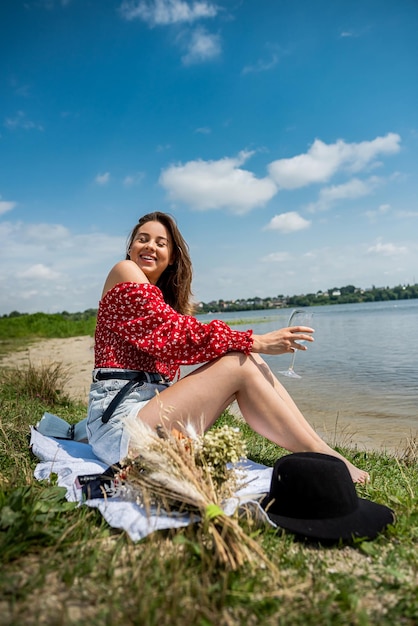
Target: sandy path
column 75, row 354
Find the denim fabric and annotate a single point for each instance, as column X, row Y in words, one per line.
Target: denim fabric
column 110, row 441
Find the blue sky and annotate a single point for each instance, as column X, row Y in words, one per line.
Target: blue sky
column 281, row 134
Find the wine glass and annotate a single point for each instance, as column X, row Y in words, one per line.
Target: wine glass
column 299, row 317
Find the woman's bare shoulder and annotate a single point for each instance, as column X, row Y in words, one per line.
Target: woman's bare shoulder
column 124, row 272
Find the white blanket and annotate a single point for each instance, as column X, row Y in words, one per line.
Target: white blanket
column 69, row 459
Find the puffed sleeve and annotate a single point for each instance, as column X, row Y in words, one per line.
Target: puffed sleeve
column 139, row 315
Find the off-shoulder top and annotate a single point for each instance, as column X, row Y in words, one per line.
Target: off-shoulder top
column 136, row 329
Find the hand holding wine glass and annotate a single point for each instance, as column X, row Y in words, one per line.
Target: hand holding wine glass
column 299, row 317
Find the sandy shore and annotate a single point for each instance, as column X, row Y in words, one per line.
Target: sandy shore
column 74, row 353
column 76, row 356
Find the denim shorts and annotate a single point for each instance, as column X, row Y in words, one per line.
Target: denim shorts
column 110, row 441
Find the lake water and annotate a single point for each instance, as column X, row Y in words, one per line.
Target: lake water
column 359, row 382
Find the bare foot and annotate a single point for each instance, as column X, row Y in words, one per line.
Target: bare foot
column 357, row 475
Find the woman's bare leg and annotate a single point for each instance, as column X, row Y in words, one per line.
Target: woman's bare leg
column 200, row 398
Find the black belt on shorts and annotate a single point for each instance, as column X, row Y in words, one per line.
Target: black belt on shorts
column 133, row 379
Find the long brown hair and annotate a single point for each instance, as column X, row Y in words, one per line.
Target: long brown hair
column 176, row 280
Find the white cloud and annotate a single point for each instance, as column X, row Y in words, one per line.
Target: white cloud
column 262, row 65
column 384, row 208
column 24, row 91
column 381, row 210
column 102, row 179
column 225, row 184
column 276, row 257
column 291, row 269
column 21, row 121
column 6, row 206
column 288, row 222
column 323, row 160
column 39, row 272
column 407, row 214
column 133, row 179
column 165, row 12
column 387, row 249
column 354, row 188
column 217, row 184
column 199, row 45
column 202, row 46
column 60, row 270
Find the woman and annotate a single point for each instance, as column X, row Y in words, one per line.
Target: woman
column 145, row 331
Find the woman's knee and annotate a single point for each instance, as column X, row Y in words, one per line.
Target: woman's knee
column 235, row 360
column 234, row 365
column 243, row 364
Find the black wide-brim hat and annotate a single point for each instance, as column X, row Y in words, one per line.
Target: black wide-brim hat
column 313, row 496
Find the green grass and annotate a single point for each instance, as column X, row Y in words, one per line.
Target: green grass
column 17, row 331
column 62, row 564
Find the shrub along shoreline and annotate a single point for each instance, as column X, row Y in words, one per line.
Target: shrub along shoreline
column 62, row 564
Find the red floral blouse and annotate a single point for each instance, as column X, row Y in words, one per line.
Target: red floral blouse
column 137, row 330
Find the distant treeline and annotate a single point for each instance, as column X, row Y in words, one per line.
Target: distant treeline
column 351, row 294
column 26, row 325
column 336, row 295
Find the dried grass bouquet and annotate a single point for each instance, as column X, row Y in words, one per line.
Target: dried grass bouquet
column 191, row 473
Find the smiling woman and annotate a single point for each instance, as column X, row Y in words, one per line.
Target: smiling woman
column 175, row 280
column 151, row 250
column 145, row 332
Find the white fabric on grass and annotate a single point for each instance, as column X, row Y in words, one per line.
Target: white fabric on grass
column 69, row 459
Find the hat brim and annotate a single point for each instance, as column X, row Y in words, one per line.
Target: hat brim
column 366, row 522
